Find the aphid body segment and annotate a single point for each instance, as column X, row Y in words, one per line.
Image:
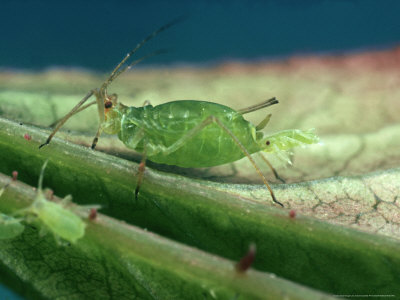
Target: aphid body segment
column 186, row 133
column 10, row 227
column 62, row 222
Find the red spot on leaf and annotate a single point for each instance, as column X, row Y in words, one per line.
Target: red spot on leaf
column 247, row 260
column 292, row 214
column 142, row 166
column 93, row 214
column 14, row 175
column 27, row 137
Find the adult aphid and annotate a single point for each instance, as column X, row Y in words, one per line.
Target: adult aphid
column 186, row 133
column 62, row 222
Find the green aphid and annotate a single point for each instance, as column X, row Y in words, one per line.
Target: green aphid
column 62, row 222
column 10, row 227
column 186, row 133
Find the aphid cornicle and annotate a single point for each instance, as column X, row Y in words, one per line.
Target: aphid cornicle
column 186, row 133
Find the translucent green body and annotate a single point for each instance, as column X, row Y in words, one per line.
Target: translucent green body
column 154, row 129
column 61, row 221
column 165, row 124
column 10, row 227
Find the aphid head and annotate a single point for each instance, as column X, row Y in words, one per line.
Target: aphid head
column 112, row 114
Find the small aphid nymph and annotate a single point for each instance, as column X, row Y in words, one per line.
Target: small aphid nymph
column 186, row 133
column 62, row 222
column 10, row 227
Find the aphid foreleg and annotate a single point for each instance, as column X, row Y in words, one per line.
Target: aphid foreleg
column 78, row 111
column 100, row 99
column 67, row 116
column 272, row 168
column 213, row 120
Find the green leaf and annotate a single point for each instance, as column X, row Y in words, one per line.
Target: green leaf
column 344, row 238
column 115, row 260
column 210, row 216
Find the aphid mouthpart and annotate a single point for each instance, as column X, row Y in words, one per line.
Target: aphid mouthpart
column 247, row 260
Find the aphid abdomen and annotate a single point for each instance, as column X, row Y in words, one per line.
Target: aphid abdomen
column 61, row 221
column 165, row 124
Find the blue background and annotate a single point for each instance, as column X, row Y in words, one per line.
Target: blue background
column 97, row 34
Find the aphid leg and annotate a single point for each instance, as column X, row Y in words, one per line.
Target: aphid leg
column 101, row 111
column 208, row 121
column 272, row 168
column 258, row 106
column 78, row 111
column 66, row 117
column 142, row 167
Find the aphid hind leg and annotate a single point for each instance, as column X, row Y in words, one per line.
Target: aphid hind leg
column 214, row 120
column 258, row 106
column 272, row 168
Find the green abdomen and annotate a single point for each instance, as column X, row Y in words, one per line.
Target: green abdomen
column 164, row 125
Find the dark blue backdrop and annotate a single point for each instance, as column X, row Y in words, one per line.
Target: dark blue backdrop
column 96, row 34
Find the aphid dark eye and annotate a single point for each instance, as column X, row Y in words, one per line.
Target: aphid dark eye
column 267, row 143
column 108, row 104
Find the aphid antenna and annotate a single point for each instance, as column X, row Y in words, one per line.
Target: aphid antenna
column 115, row 72
column 40, row 185
column 135, row 62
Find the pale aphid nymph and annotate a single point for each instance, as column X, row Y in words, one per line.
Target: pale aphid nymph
column 56, row 218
